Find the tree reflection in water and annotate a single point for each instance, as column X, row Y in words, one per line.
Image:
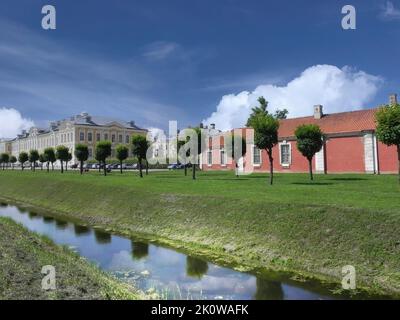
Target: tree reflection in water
column 81, row 230
column 102, row 237
column 140, row 250
column 196, row 268
column 268, row 290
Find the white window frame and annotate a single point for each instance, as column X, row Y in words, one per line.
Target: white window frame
column 280, row 154
column 80, row 136
column 224, row 158
column 252, row 156
column 209, row 151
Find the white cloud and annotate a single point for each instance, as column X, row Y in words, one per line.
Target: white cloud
column 336, row 89
column 389, row 12
column 12, row 123
column 160, row 50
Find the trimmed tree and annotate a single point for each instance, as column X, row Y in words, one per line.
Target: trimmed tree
column 139, row 150
column 50, row 157
column 309, row 142
column 42, row 160
column 122, row 153
column 62, row 155
column 103, row 151
column 388, row 127
column 33, row 157
column 4, row 159
column 13, row 160
column 82, row 154
column 235, row 148
column 195, row 158
column 266, row 137
column 22, row 158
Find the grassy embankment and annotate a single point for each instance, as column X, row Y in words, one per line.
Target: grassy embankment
column 22, row 256
column 313, row 229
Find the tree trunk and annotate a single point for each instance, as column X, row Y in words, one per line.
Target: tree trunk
column 271, row 167
column 194, row 171
column 310, row 169
column 185, row 169
column 140, row 168
column 34, row 166
column 104, row 168
column 398, row 158
column 48, row 166
column 147, row 167
column 41, row 167
column 120, row 166
column 62, row 166
column 52, row 166
column 22, row 166
column 81, row 167
column 66, row 166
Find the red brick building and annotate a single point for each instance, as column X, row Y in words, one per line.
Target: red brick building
column 350, row 146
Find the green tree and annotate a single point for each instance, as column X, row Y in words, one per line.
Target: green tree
column 256, row 111
column 42, row 160
column 122, row 153
column 281, row 114
column 139, row 150
column 13, row 160
column 235, row 147
column 4, row 159
column 22, row 158
column 266, row 136
column 179, row 145
column 50, row 157
column 309, row 142
column 388, row 127
column 69, row 158
column 62, row 154
column 82, row 154
column 200, row 145
column 33, row 157
column 103, row 151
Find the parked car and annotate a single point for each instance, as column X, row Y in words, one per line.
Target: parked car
column 177, row 166
column 131, row 166
column 74, row 166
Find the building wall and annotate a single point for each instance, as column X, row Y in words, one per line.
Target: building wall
column 387, row 157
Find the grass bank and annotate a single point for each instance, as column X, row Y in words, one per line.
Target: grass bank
column 312, row 229
column 22, row 256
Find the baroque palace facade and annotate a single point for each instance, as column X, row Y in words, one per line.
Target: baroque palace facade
column 82, row 128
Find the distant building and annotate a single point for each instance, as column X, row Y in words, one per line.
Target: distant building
column 350, row 146
column 82, row 128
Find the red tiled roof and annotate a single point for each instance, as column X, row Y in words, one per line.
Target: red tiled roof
column 353, row 121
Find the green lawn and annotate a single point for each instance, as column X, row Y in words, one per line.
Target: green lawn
column 22, row 256
column 312, row 229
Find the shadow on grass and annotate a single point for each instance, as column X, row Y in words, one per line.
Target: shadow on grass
column 313, row 183
column 348, row 179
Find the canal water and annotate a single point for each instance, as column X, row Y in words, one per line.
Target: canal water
column 158, row 270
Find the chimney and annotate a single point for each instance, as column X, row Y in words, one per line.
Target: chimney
column 212, row 126
column 393, row 99
column 201, row 125
column 318, row 114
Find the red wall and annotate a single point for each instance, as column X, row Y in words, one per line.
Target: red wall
column 345, row 154
column 387, row 158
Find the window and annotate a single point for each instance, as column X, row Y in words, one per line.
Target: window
column 209, row 157
column 90, row 136
column 223, row 162
column 113, row 138
column 105, row 136
column 285, row 153
column 127, row 139
column 81, row 136
column 256, row 156
column 120, row 138
column 98, row 137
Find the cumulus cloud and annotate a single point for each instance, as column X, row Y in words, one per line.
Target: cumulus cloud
column 336, row 89
column 12, row 123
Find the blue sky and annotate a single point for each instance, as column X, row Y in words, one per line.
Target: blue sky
column 154, row 61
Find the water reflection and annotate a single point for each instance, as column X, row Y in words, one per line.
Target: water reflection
column 48, row 219
column 140, row 250
column 268, row 290
column 3, row 205
column 148, row 266
column 61, row 224
column 102, row 237
column 81, row 230
column 195, row 267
